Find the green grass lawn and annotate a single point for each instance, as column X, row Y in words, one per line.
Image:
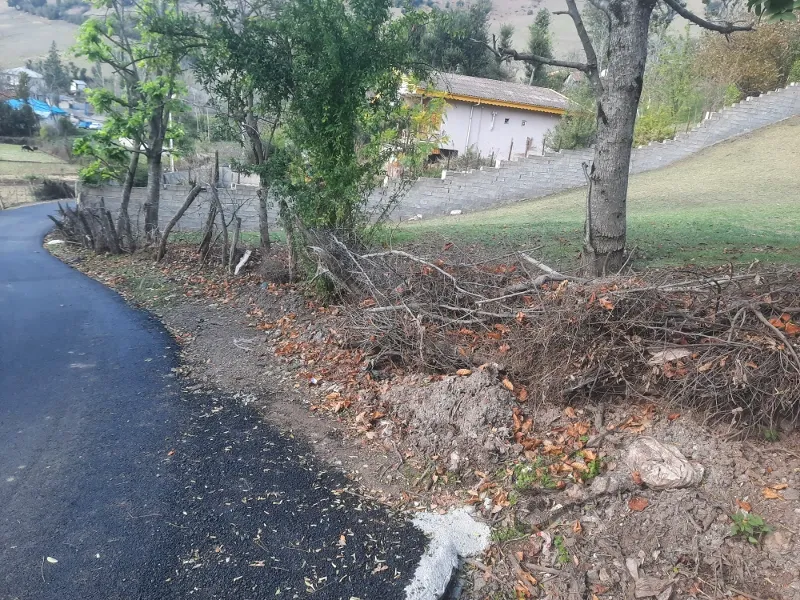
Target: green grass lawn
column 16, row 162
column 737, row 201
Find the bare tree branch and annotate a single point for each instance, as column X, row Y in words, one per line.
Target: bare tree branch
column 528, row 57
column 711, row 26
column 588, row 47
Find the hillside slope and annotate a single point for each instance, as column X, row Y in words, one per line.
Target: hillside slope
column 736, row 201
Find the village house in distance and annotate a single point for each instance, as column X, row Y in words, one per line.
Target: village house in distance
column 497, row 119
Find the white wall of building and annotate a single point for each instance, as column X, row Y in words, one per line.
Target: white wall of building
column 484, row 128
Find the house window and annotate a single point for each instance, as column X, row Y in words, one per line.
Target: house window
column 523, row 123
column 506, row 121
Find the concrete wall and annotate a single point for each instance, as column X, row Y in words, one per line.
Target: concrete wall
column 484, row 128
column 525, row 178
column 242, row 202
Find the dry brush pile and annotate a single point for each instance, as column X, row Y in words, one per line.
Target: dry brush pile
column 722, row 341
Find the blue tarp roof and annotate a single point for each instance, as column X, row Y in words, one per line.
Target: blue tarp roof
column 42, row 109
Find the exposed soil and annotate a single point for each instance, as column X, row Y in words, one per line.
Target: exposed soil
column 570, row 518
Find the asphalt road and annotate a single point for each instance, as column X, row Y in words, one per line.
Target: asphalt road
column 141, row 491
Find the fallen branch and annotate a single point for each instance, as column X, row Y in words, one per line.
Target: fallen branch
column 426, row 263
column 162, row 247
column 243, row 261
column 550, row 273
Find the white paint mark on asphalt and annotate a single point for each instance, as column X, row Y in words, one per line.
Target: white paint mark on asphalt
column 453, row 535
column 10, row 479
column 78, row 365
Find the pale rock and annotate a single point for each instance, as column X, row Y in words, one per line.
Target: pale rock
column 779, row 542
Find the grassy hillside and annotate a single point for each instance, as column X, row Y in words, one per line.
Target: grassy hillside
column 737, row 201
column 19, row 171
column 24, row 36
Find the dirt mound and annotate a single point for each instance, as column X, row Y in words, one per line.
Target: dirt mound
column 464, row 420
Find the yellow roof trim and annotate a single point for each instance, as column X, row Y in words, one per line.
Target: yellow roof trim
column 476, row 100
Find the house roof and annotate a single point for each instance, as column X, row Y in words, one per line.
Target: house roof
column 498, row 93
column 31, row 74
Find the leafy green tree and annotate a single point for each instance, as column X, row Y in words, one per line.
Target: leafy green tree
column 138, row 116
column 775, row 10
column 245, row 64
column 540, row 44
column 56, row 76
column 455, row 39
column 343, row 107
column 23, row 89
column 18, row 123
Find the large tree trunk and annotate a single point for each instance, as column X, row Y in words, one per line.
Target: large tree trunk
column 605, row 230
column 124, row 229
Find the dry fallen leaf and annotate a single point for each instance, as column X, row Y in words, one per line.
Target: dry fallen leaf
column 606, row 303
column 637, row 478
column 638, row 504
column 576, row 527
column 522, row 396
column 746, row 506
column 673, row 416
column 342, row 540
column 780, row 486
column 508, row 385
column 771, row 494
column 570, row 412
column 705, row 367
column 464, row 372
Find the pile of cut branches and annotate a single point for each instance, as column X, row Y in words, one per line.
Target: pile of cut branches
column 722, row 341
column 90, row 226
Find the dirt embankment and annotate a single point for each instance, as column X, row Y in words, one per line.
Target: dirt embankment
column 573, row 485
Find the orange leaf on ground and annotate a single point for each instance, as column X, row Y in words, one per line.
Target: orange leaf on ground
column 744, row 505
column 508, row 385
column 570, row 412
column 637, row 478
column 522, row 396
column 673, row 416
column 638, row 504
column 780, row 486
column 606, row 303
column 792, row 329
column 576, row 527
column 464, row 372
column 771, row 494
column 786, row 317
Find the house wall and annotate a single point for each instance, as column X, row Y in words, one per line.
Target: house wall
column 483, row 127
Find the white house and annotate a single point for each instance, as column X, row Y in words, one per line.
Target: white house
column 77, row 86
column 495, row 118
column 35, row 80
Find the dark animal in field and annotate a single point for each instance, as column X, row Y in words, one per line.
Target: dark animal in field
column 30, row 148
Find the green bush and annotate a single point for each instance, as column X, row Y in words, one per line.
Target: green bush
column 732, row 95
column 794, row 72
column 653, row 125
